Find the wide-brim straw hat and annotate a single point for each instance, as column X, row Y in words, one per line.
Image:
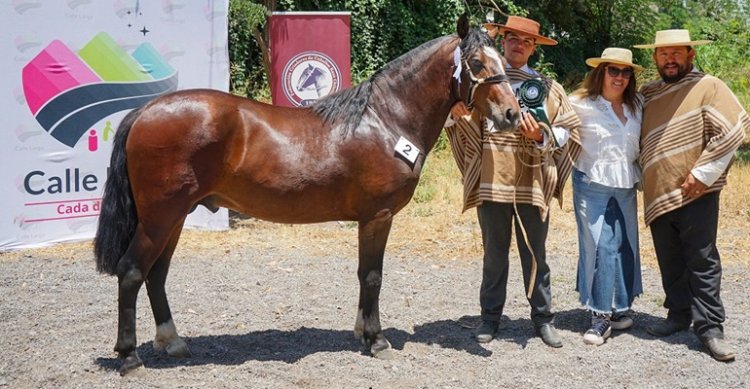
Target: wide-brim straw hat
column 615, row 55
column 669, row 38
column 526, row 26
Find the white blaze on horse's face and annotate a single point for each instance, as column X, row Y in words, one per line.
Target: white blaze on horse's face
column 494, row 55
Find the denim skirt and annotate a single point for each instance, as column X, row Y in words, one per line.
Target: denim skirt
column 609, row 264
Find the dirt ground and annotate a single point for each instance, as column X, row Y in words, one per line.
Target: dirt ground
column 273, row 306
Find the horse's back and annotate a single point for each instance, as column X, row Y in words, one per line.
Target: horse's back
column 239, row 153
column 189, row 120
column 274, row 163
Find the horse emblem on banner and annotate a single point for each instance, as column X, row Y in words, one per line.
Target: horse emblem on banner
column 309, row 76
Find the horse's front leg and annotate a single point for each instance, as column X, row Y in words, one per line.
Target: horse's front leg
column 373, row 235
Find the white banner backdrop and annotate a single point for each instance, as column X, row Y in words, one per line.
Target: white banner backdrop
column 72, row 69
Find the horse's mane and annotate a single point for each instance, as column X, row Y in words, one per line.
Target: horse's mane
column 475, row 40
column 346, row 107
column 348, row 104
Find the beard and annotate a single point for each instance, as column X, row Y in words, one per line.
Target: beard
column 682, row 70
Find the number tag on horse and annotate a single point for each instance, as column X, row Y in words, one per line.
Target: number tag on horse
column 407, row 149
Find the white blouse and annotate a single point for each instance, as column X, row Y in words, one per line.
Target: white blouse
column 610, row 148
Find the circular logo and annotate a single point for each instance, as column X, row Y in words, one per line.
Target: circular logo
column 309, row 76
column 532, row 92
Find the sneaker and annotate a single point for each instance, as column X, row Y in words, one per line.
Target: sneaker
column 621, row 321
column 599, row 332
column 486, row 331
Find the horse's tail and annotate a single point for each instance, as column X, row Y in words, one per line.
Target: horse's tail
column 117, row 219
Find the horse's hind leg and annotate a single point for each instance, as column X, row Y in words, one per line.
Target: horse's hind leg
column 132, row 271
column 166, row 332
column 373, row 236
column 130, row 278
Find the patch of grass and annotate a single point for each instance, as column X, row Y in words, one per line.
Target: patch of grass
column 422, row 211
column 743, row 154
column 425, row 191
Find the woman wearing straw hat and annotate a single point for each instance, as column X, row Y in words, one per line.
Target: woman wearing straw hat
column 604, row 192
column 692, row 126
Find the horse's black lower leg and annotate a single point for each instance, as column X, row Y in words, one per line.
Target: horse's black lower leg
column 373, row 235
column 166, row 332
column 130, row 280
column 132, row 270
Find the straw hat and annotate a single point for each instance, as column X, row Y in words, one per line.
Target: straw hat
column 521, row 25
column 668, row 38
column 615, row 55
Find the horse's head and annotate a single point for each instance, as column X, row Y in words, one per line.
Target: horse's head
column 306, row 78
column 483, row 83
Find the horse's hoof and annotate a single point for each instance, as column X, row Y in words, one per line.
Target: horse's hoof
column 380, row 345
column 178, row 349
column 129, row 364
column 168, row 340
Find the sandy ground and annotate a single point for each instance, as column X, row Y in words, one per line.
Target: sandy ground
column 270, row 306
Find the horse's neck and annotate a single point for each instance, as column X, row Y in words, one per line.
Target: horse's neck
column 418, row 107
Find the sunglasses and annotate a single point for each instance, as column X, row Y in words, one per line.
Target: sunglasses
column 614, row 72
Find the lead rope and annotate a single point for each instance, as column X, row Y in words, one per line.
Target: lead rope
column 530, row 148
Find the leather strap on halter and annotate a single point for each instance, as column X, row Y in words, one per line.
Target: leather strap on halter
column 475, row 82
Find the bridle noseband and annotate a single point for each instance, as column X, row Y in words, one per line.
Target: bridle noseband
column 475, row 82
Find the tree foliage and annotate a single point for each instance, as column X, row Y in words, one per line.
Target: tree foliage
column 381, row 30
column 247, row 70
column 584, row 28
column 727, row 24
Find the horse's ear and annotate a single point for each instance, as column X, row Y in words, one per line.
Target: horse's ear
column 463, row 25
column 492, row 30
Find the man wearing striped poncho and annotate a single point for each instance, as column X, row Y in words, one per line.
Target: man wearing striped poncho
column 692, row 126
column 511, row 178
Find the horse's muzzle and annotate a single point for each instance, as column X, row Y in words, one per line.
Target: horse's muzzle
column 506, row 118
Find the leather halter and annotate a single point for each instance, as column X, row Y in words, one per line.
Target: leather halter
column 475, row 82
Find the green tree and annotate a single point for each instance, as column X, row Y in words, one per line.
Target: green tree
column 381, row 30
column 248, row 50
column 584, row 28
column 727, row 24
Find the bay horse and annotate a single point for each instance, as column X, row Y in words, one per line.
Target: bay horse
column 335, row 160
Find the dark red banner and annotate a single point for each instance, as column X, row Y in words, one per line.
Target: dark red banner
column 310, row 56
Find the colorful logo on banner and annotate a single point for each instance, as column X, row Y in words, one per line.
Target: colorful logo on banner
column 68, row 93
column 309, row 76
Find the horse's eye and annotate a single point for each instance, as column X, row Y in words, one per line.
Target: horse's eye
column 476, row 65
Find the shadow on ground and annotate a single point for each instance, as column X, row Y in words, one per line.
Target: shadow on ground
column 578, row 320
column 291, row 346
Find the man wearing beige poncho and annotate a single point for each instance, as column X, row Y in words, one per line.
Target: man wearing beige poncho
column 692, row 126
column 511, row 178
